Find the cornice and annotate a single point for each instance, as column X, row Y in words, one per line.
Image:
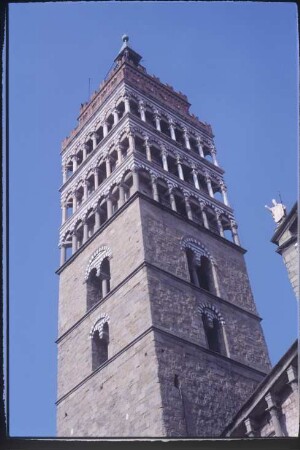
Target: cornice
column 170, row 334
column 170, row 112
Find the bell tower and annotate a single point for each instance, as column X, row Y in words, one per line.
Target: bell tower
column 158, row 330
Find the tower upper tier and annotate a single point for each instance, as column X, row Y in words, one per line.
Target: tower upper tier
column 127, row 68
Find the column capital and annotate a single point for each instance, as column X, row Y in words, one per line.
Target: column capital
column 186, row 194
column 233, row 223
column 207, row 175
column 157, row 114
column 218, row 213
column 202, row 204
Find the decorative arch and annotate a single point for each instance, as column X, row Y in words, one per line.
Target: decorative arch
column 211, row 312
column 96, row 260
column 98, row 325
column 198, row 248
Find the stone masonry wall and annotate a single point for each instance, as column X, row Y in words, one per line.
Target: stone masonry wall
column 122, row 399
column 291, row 261
column 175, row 305
column 124, row 238
column 166, row 232
column 212, row 388
column 129, row 313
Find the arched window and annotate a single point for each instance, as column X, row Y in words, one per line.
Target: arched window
column 201, row 266
column 100, row 342
column 97, row 276
column 212, row 333
column 213, row 325
column 200, row 271
column 204, row 274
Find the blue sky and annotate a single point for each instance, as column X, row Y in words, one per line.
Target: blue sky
column 236, row 62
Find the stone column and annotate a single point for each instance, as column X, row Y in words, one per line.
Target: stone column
column 64, row 174
column 104, row 287
column 85, row 232
column 64, row 212
column 273, row 410
column 200, row 148
column 84, row 151
column 225, row 339
column 204, row 216
column 105, row 129
column 234, row 232
column 179, row 168
column 109, row 207
column 142, row 111
column 172, row 130
column 214, row 156
column 97, row 219
column 195, row 179
column 249, row 425
column 85, row 190
column 195, row 279
column 215, row 278
column 131, row 141
column 148, row 150
column 157, row 121
column 224, row 192
column 74, row 163
column 126, row 104
column 107, row 164
column 74, row 202
column 121, row 194
column 209, row 186
column 116, row 116
column 172, row 200
column 74, row 242
column 154, row 189
column 219, row 222
column 119, row 152
column 62, row 254
column 96, row 177
column 94, row 140
column 164, row 160
column 188, row 207
column 135, row 177
column 186, row 139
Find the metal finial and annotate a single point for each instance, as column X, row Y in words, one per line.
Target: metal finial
column 125, row 38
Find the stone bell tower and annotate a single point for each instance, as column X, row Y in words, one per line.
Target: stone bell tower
column 158, row 331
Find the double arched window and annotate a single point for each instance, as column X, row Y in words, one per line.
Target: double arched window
column 97, row 277
column 214, row 329
column 100, row 341
column 201, row 266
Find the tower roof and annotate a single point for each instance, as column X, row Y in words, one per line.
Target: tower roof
column 128, row 52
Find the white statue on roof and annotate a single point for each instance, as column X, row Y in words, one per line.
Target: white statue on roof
column 278, row 210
